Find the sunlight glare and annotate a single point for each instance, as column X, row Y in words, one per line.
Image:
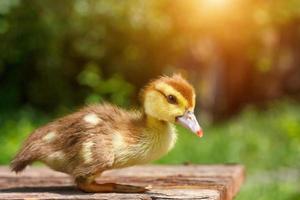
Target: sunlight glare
column 216, row 5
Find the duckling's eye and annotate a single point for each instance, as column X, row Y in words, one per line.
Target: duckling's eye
column 172, row 99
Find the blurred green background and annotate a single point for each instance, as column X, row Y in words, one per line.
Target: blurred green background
column 243, row 57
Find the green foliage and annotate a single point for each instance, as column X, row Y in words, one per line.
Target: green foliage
column 14, row 129
column 45, row 45
column 115, row 89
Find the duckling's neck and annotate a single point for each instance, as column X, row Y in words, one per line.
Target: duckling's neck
column 154, row 123
column 154, row 139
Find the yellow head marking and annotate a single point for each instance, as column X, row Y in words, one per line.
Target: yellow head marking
column 156, row 98
column 169, row 90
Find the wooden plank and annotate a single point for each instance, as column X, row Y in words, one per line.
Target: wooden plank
column 210, row 182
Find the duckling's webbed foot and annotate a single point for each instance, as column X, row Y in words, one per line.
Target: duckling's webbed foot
column 109, row 187
column 128, row 188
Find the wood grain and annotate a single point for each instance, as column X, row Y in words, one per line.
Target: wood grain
column 209, row 182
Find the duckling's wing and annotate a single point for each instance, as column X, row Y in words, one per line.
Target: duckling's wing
column 78, row 144
column 94, row 155
column 84, row 140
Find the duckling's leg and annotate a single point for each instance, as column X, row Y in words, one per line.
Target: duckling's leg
column 92, row 186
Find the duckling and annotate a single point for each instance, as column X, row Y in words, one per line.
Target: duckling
column 102, row 137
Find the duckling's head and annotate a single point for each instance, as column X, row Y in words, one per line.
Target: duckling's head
column 171, row 99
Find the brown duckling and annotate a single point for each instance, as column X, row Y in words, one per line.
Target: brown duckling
column 102, row 137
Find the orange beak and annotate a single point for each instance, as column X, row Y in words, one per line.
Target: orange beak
column 200, row 133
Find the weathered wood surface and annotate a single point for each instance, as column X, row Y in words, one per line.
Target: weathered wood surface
column 209, row 182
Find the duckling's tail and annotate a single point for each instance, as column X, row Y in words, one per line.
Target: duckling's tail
column 23, row 158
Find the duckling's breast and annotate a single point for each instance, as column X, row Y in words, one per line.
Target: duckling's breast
column 150, row 145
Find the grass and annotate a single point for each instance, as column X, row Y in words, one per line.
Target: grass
column 266, row 142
